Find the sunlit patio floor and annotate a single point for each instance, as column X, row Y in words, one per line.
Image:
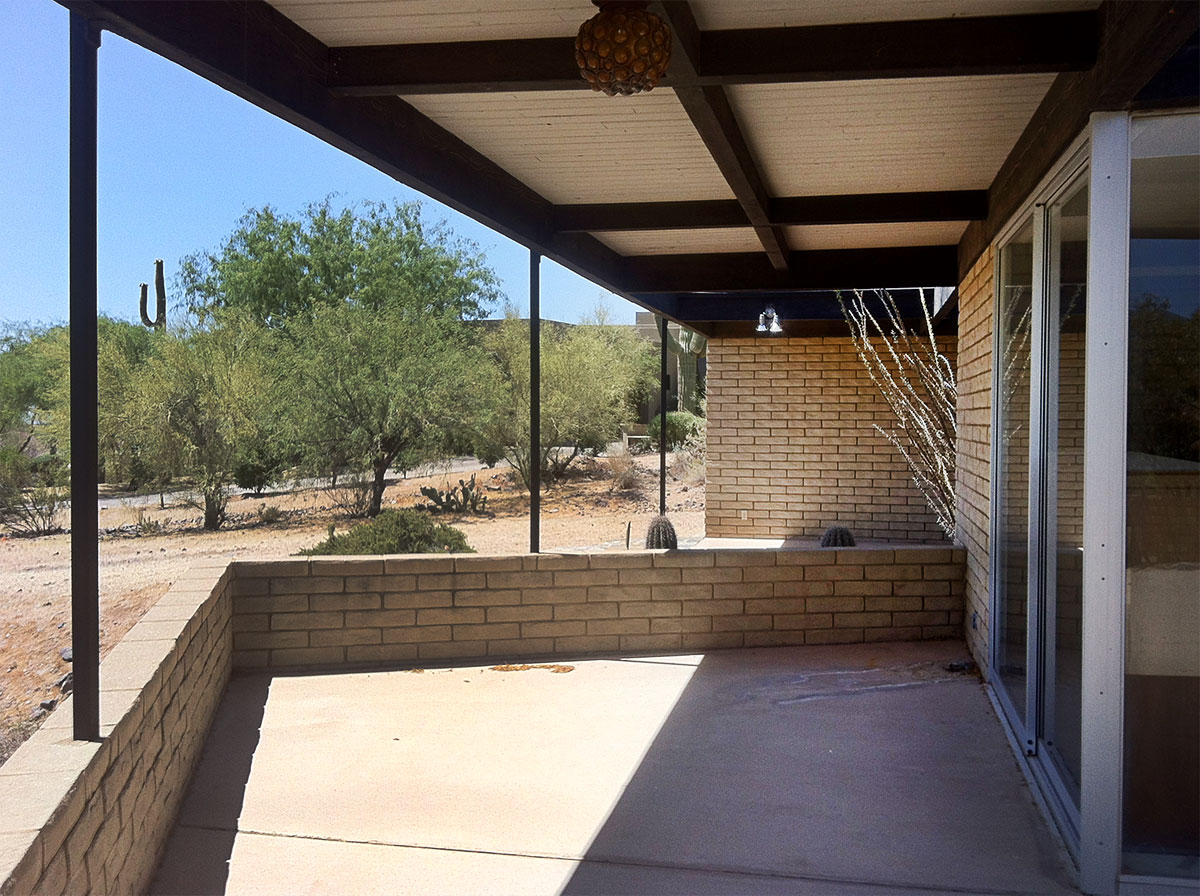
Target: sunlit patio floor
column 858, row 770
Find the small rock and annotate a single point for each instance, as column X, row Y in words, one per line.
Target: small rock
column 49, row 704
column 39, row 714
column 66, row 684
column 964, row 666
column 67, row 654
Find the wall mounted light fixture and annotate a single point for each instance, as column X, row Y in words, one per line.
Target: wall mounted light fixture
column 768, row 322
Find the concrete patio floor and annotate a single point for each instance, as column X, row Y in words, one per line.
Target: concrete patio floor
column 861, row 769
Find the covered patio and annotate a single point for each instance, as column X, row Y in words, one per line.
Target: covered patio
column 860, row 769
column 790, row 151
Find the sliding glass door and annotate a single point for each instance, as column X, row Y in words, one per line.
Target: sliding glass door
column 1037, row 518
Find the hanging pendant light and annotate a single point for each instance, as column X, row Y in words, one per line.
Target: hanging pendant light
column 623, row 49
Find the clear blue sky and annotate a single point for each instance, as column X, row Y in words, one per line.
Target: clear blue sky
column 180, row 161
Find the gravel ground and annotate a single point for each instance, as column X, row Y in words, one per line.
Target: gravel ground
column 146, row 548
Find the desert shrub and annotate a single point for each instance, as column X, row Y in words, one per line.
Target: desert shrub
column 396, row 532
column 269, row 513
column 257, row 466
column 624, row 472
column 32, row 491
column 352, row 496
column 690, row 459
column 682, row 427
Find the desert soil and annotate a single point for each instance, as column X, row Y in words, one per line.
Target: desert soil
column 144, row 549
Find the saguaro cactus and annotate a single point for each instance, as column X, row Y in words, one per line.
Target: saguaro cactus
column 160, row 294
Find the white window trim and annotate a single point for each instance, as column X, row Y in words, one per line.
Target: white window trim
column 1105, row 378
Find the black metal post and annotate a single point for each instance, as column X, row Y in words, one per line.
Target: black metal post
column 662, row 419
column 85, row 547
column 535, row 403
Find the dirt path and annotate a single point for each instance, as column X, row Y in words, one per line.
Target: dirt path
column 147, row 548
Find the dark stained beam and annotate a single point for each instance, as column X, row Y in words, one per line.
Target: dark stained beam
column 808, row 313
column 908, row 266
column 481, row 66
column 989, row 45
column 712, row 116
column 867, row 208
column 1135, row 40
column 257, row 53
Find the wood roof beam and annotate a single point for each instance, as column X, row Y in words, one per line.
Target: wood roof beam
column 989, row 45
column 867, row 208
column 712, row 116
column 895, row 267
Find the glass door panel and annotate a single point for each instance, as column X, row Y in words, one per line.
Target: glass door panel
column 1162, row 580
column 1061, row 691
column 1015, row 332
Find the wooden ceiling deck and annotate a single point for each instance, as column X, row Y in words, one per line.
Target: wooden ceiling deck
column 792, row 146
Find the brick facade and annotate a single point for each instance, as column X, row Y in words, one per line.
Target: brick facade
column 973, row 461
column 331, row 611
column 791, row 444
column 83, row 817
column 94, row 817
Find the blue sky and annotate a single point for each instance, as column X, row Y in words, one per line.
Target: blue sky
column 180, row 161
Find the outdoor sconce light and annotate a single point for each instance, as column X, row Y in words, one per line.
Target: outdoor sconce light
column 623, row 49
column 768, row 322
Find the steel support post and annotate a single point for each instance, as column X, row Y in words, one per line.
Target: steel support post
column 85, row 553
column 662, row 420
column 535, row 403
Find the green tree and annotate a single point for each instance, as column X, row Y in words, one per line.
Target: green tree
column 367, row 306
column 32, row 364
column 200, row 396
column 383, row 387
column 592, row 376
column 279, row 269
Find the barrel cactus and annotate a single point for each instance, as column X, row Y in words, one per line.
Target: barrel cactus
column 837, row 537
column 661, row 534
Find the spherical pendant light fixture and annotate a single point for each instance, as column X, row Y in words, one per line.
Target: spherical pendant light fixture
column 623, row 49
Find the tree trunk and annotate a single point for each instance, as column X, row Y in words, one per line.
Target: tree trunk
column 378, row 482
column 214, row 510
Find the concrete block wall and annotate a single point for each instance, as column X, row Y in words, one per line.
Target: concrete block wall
column 329, row 612
column 792, row 448
column 79, row 817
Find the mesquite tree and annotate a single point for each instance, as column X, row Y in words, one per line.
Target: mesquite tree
column 917, row 381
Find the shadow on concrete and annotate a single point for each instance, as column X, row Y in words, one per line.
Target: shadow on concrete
column 794, row 770
column 197, row 855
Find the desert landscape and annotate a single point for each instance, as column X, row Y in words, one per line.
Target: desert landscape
column 144, row 547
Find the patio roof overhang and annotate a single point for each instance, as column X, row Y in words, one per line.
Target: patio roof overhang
column 789, row 148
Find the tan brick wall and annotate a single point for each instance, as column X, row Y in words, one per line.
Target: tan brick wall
column 791, row 444
column 973, row 463
column 83, row 817
column 331, row 612
column 93, row 817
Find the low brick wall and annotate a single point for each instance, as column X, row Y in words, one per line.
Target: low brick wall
column 347, row 611
column 80, row 817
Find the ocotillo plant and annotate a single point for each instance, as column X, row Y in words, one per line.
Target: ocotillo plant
column 160, row 295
